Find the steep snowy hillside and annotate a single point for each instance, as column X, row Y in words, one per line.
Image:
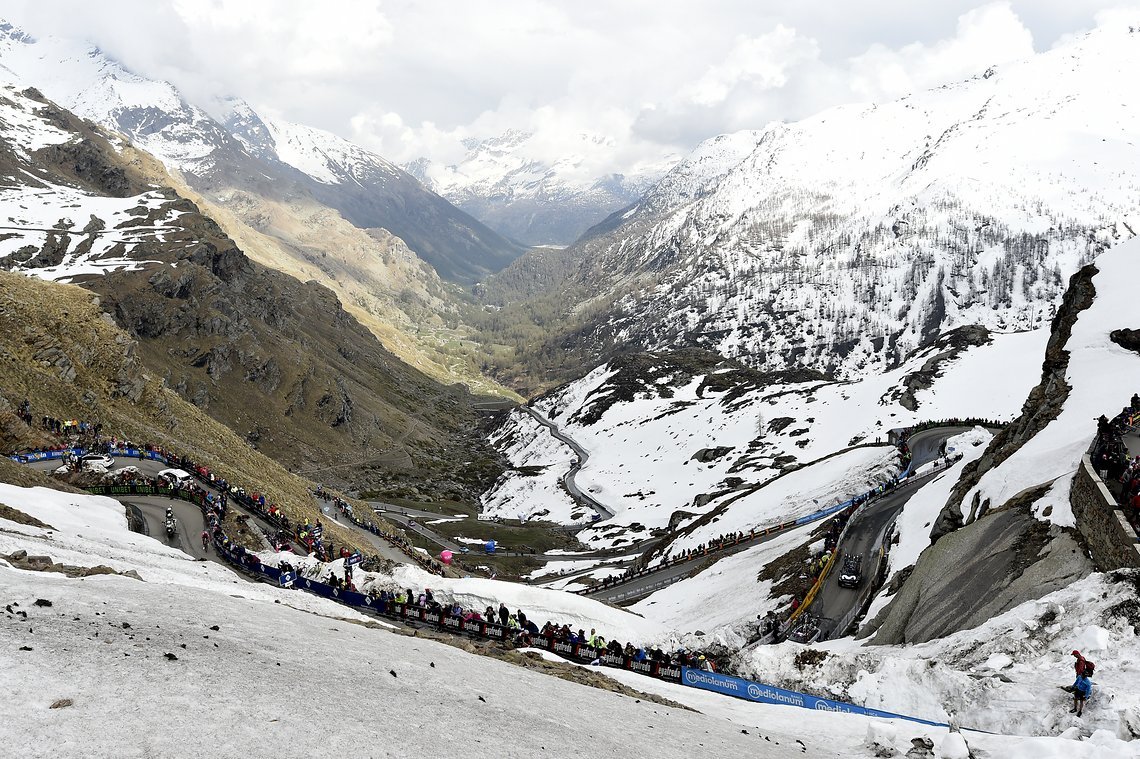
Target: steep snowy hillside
column 240, row 150
column 672, row 436
column 135, row 657
column 844, row 241
column 533, row 201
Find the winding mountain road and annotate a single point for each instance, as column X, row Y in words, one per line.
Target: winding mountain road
column 865, row 532
column 152, row 509
column 576, row 493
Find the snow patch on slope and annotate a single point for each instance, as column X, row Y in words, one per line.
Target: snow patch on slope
column 533, row 489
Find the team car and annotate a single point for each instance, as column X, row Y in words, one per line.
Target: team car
column 852, row 573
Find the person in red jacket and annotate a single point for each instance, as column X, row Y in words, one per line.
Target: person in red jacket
column 1079, row 665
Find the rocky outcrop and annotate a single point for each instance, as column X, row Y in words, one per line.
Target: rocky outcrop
column 1040, row 408
column 1129, row 339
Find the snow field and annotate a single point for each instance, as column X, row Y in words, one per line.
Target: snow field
column 274, row 681
column 1002, row 676
column 103, row 644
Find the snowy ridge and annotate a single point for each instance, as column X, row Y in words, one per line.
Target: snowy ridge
column 81, row 78
column 24, row 125
column 523, row 197
column 326, row 157
column 57, row 232
column 881, row 226
column 1102, row 376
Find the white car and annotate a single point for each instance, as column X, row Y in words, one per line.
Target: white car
column 176, row 477
column 96, row 462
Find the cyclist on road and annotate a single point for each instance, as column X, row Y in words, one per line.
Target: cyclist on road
column 206, row 541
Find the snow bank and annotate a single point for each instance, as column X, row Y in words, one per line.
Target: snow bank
column 1003, row 676
column 724, row 600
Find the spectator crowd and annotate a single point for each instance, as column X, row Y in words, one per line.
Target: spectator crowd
column 1113, row 462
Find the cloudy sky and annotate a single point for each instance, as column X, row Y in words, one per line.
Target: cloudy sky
column 619, row 84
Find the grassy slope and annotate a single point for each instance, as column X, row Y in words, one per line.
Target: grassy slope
column 43, row 320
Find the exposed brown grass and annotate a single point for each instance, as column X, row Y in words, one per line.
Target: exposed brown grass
column 50, row 330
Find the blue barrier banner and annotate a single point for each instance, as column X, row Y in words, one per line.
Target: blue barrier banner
column 768, row 694
column 355, row 598
column 27, row 458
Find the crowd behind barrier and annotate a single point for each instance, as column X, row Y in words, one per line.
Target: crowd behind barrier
column 289, row 534
column 1117, row 468
column 676, row 667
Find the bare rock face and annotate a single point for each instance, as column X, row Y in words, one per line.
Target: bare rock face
column 1129, row 339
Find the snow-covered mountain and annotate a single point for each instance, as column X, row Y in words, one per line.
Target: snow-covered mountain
column 242, row 149
column 534, row 201
column 848, row 240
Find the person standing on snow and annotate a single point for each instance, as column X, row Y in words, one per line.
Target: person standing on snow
column 1080, row 664
column 1082, row 689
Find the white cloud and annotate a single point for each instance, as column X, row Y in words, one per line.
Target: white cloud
column 992, row 34
column 617, row 83
column 761, row 61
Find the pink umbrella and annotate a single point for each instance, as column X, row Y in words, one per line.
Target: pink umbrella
column 445, row 556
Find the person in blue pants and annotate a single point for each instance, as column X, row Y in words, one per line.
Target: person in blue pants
column 1082, row 689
